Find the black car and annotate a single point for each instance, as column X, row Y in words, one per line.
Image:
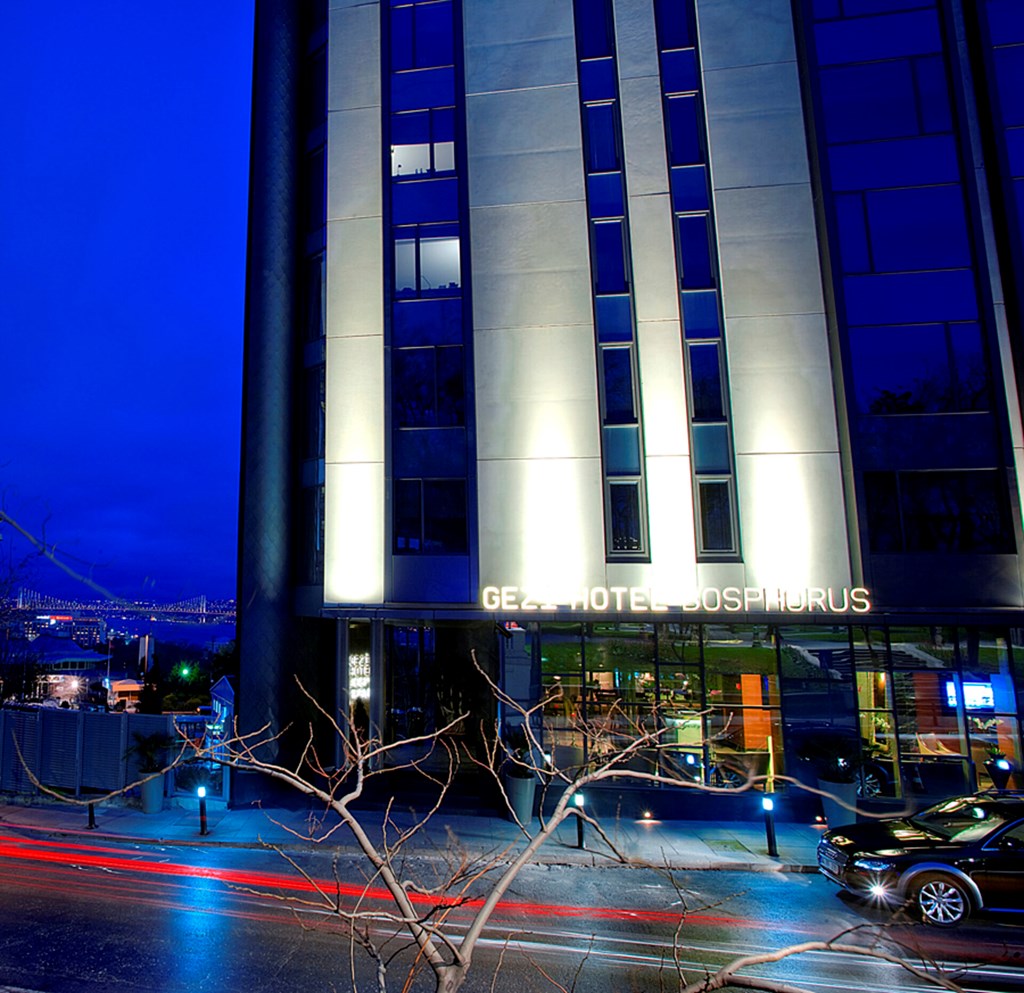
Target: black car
column 960, row 856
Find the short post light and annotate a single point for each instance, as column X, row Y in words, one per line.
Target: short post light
column 768, row 806
column 579, row 800
column 202, row 810
column 92, row 816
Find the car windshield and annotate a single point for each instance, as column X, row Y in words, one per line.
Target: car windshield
column 963, row 819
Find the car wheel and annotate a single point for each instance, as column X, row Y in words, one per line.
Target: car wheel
column 941, row 900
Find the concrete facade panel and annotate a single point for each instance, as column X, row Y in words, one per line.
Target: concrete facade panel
column 353, row 164
column 768, row 251
column 524, row 146
column 354, row 533
column 662, row 389
column 655, row 283
column 643, row 136
column 355, row 275
column 355, row 413
column 354, row 44
column 515, row 44
column 781, row 382
column 755, row 126
column 739, row 32
column 531, row 266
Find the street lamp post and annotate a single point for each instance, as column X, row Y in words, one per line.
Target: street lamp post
column 202, row 810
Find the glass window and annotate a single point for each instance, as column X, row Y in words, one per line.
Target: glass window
column 626, row 521
column 408, row 515
column 690, row 189
column 927, row 368
column 619, row 407
column 918, row 229
column 614, row 318
column 679, row 71
column 593, row 28
column 695, row 251
column 597, row 80
column 684, row 132
column 312, row 569
column 602, row 138
column 700, row 314
column 705, row 382
column 869, row 102
column 949, row 512
column 622, row 451
column 421, row 36
column 314, row 298
column 610, row 257
column 427, row 262
column 561, row 662
column 316, row 191
column 316, row 413
column 714, row 498
column 711, row 450
column 674, row 24
column 410, row 160
column 956, row 512
column 604, row 194
column 439, row 264
column 444, row 515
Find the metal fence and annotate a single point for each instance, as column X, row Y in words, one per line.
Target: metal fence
column 75, row 751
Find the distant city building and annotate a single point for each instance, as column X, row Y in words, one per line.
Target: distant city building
column 668, row 352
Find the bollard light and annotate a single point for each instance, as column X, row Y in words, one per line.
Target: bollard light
column 768, row 806
column 201, row 791
column 578, row 800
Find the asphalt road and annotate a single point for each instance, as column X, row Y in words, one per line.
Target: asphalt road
column 84, row 918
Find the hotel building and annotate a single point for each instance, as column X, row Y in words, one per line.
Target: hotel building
column 668, row 352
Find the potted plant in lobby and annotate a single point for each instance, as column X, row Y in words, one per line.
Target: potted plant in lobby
column 998, row 768
column 519, row 777
column 151, row 753
column 836, row 759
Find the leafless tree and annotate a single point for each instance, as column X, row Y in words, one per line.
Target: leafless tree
column 421, row 909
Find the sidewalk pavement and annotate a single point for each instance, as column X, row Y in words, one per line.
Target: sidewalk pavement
column 680, row 845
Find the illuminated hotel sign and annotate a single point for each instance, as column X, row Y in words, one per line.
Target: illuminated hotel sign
column 711, row 600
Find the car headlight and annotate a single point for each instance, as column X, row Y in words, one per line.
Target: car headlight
column 873, row 865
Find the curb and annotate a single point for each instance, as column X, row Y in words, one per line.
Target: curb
column 586, row 859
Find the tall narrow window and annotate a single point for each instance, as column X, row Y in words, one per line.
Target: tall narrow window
column 625, row 501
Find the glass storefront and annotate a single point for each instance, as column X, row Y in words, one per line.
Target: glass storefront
column 924, row 711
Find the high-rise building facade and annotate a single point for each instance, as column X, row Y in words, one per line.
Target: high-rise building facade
column 668, row 352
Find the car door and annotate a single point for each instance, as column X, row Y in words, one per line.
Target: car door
column 1000, row 870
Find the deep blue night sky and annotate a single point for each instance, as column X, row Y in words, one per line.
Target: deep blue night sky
column 122, row 211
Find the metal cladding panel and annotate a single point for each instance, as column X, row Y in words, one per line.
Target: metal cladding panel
column 536, row 394
column 793, row 521
column 524, row 146
column 20, row 734
column 266, row 512
column 515, row 44
column 104, row 742
column 541, row 525
column 59, row 755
